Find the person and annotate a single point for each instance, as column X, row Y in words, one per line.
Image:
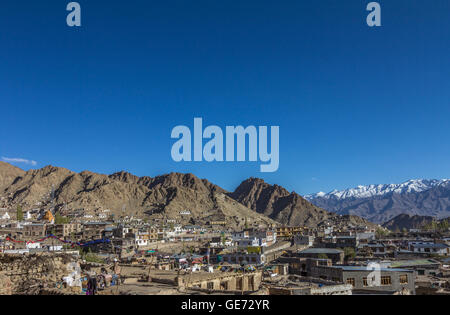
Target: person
column 91, row 286
column 117, row 271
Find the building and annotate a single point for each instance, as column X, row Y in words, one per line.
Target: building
column 336, row 255
column 66, row 230
column 34, row 230
column 347, row 241
column 304, row 240
column 423, row 267
column 430, row 248
column 312, row 287
column 287, row 232
column 372, row 279
column 244, row 258
column 364, row 280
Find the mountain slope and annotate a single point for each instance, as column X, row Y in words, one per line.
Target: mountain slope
column 163, row 196
column 253, row 203
column 8, row 173
column 282, row 206
column 381, row 203
column 406, row 221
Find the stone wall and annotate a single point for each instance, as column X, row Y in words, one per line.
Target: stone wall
column 30, row 274
column 223, row 282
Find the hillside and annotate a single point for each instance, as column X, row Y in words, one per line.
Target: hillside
column 8, row 173
column 253, row 203
column 285, row 207
column 123, row 193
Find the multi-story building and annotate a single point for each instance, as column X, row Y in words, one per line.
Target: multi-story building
column 34, row 230
column 66, row 230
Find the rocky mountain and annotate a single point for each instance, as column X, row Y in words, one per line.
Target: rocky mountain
column 8, row 173
column 381, row 203
column 285, row 207
column 125, row 194
column 169, row 196
column 406, row 221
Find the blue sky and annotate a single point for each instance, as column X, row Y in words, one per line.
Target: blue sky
column 355, row 105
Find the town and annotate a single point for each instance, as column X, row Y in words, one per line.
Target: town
column 43, row 252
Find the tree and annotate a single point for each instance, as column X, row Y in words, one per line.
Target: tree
column 322, row 256
column 19, row 213
column 349, row 253
column 380, row 233
column 59, row 219
column 443, row 225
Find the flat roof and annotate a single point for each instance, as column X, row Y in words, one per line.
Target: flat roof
column 416, row 262
column 363, row 268
column 321, row 251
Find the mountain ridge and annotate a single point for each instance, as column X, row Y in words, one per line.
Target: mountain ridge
column 381, row 203
column 165, row 196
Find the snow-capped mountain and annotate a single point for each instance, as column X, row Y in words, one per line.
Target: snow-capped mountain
column 380, row 203
column 411, row 186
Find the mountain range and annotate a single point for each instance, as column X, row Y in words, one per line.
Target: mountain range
column 253, row 203
column 381, row 203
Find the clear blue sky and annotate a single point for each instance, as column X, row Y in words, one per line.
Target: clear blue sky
column 355, row 105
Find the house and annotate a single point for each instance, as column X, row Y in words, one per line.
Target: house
column 374, row 248
column 285, row 231
column 390, row 281
column 423, row 267
column 34, row 230
column 336, row 255
column 244, row 258
column 365, row 237
column 249, row 242
column 5, row 216
column 31, row 245
column 363, row 279
column 269, row 237
column 66, row 230
column 430, row 248
column 347, row 241
column 93, row 230
column 305, row 240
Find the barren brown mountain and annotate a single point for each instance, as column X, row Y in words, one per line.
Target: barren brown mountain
column 8, row 173
column 181, row 197
column 125, row 194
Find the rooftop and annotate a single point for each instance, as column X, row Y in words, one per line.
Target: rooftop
column 321, row 251
column 412, row 263
column 364, row 268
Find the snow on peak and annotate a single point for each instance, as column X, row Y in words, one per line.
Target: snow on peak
column 414, row 185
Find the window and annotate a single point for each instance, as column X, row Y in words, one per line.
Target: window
column 386, row 280
column 367, row 280
column 403, row 279
column 351, row 281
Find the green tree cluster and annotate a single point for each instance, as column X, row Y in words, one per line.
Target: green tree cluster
column 19, row 213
